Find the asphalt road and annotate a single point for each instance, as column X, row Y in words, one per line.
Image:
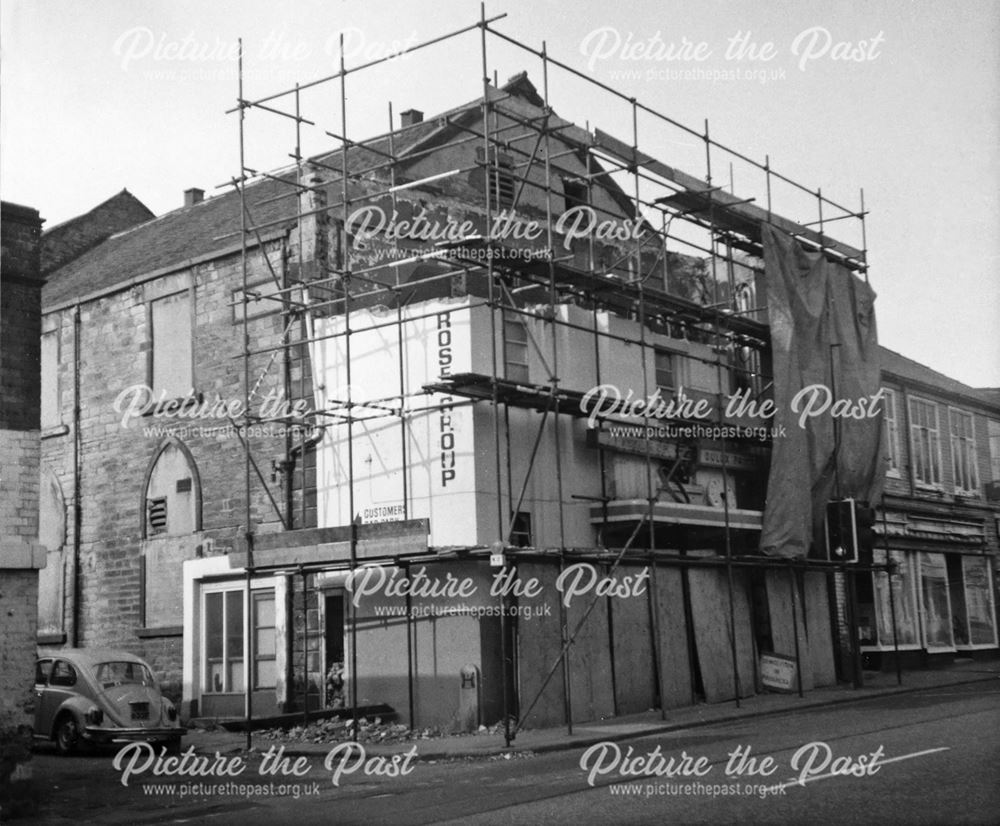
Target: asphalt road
column 929, row 757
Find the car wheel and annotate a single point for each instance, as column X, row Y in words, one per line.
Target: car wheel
column 173, row 745
column 67, row 734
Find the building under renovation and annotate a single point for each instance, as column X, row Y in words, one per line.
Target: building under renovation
column 493, row 416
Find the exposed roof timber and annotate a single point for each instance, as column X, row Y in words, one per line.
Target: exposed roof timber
column 731, row 213
column 614, row 293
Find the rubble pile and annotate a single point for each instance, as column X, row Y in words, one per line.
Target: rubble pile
column 336, row 730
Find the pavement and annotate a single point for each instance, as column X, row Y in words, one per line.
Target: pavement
column 485, row 745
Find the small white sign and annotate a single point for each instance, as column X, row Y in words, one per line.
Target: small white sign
column 496, row 560
column 777, row 672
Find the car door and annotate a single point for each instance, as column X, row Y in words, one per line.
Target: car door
column 43, row 723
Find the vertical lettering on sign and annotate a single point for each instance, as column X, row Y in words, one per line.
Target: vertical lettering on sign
column 446, row 432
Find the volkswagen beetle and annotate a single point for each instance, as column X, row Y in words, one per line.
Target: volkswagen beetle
column 98, row 695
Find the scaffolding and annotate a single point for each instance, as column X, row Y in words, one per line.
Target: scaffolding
column 682, row 218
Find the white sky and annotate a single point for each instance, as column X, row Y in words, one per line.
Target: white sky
column 108, row 94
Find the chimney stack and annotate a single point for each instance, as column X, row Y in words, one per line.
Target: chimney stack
column 410, row 117
column 193, row 196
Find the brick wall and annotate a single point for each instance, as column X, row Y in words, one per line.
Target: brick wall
column 19, row 306
column 18, row 611
column 19, row 480
column 18, row 607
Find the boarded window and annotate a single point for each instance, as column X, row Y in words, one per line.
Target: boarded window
column 170, row 318
column 51, row 416
column 51, row 534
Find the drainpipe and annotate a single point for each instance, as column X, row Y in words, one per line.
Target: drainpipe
column 77, row 506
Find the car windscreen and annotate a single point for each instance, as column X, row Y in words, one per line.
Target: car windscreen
column 117, row 673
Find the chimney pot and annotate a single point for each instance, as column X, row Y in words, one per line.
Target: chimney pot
column 193, row 196
column 410, row 117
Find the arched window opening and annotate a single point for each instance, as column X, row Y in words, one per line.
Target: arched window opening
column 172, row 500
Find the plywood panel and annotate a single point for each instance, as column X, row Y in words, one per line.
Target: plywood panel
column 818, row 631
column 710, row 608
column 675, row 663
column 635, row 678
column 746, row 650
column 538, row 647
column 787, row 620
column 590, row 660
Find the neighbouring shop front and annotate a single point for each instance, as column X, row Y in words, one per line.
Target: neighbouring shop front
column 938, row 598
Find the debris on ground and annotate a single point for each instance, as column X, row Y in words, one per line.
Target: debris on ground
column 336, row 730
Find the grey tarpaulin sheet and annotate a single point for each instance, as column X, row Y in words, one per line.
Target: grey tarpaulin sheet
column 822, row 333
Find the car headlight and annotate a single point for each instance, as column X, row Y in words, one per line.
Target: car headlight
column 94, row 716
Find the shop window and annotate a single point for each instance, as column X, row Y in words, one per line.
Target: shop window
column 970, row 590
column 516, row 350
column 172, row 497
column 925, row 443
column 980, row 615
column 963, row 452
column 50, row 412
column 935, row 603
column 891, row 433
column 171, row 360
column 902, row 603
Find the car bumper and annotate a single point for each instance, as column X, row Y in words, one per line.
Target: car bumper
column 110, row 735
